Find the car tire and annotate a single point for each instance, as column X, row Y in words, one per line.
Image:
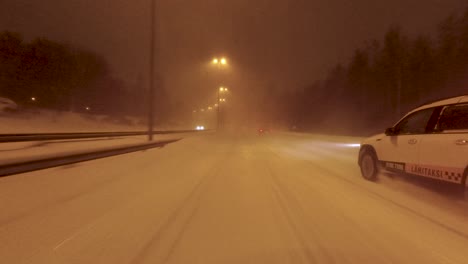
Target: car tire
column 369, row 169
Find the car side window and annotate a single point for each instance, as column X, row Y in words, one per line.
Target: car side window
column 415, row 123
column 454, row 117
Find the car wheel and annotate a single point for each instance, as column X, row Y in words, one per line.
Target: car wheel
column 369, row 167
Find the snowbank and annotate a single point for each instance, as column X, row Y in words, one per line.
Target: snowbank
column 46, row 121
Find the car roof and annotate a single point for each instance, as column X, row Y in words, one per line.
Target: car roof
column 452, row 100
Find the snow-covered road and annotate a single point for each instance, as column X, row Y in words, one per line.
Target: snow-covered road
column 280, row 198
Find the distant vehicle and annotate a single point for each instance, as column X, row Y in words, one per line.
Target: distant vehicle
column 200, row 128
column 430, row 141
column 263, row 131
column 7, row 105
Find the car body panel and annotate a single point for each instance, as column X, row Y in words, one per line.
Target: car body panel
column 441, row 153
column 399, row 149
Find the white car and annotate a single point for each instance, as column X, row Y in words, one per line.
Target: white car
column 7, row 105
column 430, row 141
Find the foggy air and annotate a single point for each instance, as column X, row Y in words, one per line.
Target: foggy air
column 164, row 131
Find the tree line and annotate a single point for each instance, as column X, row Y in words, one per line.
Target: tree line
column 383, row 80
column 61, row 77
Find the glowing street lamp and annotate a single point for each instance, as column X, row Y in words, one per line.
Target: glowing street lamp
column 221, row 89
column 33, row 98
column 222, row 61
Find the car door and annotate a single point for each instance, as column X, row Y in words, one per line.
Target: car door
column 444, row 153
column 400, row 150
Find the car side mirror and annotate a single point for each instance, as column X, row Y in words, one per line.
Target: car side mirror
column 390, row 131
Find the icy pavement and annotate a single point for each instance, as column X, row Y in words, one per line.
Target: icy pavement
column 281, row 198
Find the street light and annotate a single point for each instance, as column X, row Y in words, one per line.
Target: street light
column 33, row 98
column 221, row 89
column 151, row 69
column 222, row 61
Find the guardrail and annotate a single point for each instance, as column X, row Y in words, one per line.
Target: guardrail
column 7, row 138
column 45, row 163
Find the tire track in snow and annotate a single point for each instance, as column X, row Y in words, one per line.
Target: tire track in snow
column 292, row 210
column 183, row 214
column 356, row 185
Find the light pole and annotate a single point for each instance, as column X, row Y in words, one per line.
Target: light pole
column 151, row 71
column 220, row 90
column 217, row 110
column 219, row 62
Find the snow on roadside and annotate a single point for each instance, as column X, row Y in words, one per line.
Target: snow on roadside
column 46, row 121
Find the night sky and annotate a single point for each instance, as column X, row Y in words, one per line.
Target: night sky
column 285, row 44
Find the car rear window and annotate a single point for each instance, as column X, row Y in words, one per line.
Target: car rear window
column 454, row 117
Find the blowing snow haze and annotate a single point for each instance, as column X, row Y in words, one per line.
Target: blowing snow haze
column 271, row 45
column 236, row 131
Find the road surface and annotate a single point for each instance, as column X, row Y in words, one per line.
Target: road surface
column 280, row 198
